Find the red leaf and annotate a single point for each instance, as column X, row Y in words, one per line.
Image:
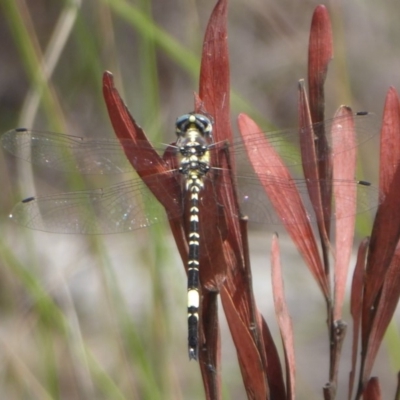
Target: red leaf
column 214, row 72
column 214, row 95
column 236, row 298
column 344, row 166
column 285, row 199
column 320, row 52
column 389, row 149
column 246, row 324
column 251, row 365
column 386, row 229
column 309, row 157
column 274, row 369
column 139, row 150
column 384, row 313
column 356, row 306
column 284, row 321
column 373, row 390
column 381, row 285
column 318, row 190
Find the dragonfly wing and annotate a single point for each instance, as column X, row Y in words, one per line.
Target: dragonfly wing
column 255, row 203
column 76, row 154
column 287, row 142
column 105, row 156
column 120, row 208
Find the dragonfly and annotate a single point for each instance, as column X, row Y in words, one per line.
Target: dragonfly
column 129, row 205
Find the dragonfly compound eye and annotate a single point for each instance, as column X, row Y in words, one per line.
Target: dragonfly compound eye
column 195, row 121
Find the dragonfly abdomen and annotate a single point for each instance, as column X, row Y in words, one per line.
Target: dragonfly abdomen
column 193, row 286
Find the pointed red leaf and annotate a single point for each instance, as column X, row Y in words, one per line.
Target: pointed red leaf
column 274, row 369
column 246, row 324
column 380, row 294
column 139, row 150
column 373, row 390
column 214, row 95
column 356, row 300
column 386, row 229
column 125, row 126
column 251, row 364
column 284, row 320
column 344, row 166
column 214, row 99
column 389, row 149
column 240, row 285
column 309, row 156
column 386, row 307
column 285, row 199
column 315, row 186
column 214, row 73
column 320, row 53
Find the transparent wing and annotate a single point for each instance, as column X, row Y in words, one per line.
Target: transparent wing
column 105, row 156
column 119, row 208
column 130, row 205
column 69, row 153
column 287, row 142
column 255, row 204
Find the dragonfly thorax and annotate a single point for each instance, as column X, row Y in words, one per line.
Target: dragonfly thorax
column 194, row 132
column 195, row 158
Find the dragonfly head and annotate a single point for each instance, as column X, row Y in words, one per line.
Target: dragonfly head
column 192, row 121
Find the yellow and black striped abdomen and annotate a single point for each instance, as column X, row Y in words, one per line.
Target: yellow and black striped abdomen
column 194, row 187
column 193, row 285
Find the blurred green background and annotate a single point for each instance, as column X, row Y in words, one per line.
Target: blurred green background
column 104, row 317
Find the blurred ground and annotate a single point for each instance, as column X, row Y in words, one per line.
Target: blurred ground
column 87, row 277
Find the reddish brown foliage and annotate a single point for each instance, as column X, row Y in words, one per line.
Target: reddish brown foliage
column 372, row 390
column 224, row 260
column 382, row 272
